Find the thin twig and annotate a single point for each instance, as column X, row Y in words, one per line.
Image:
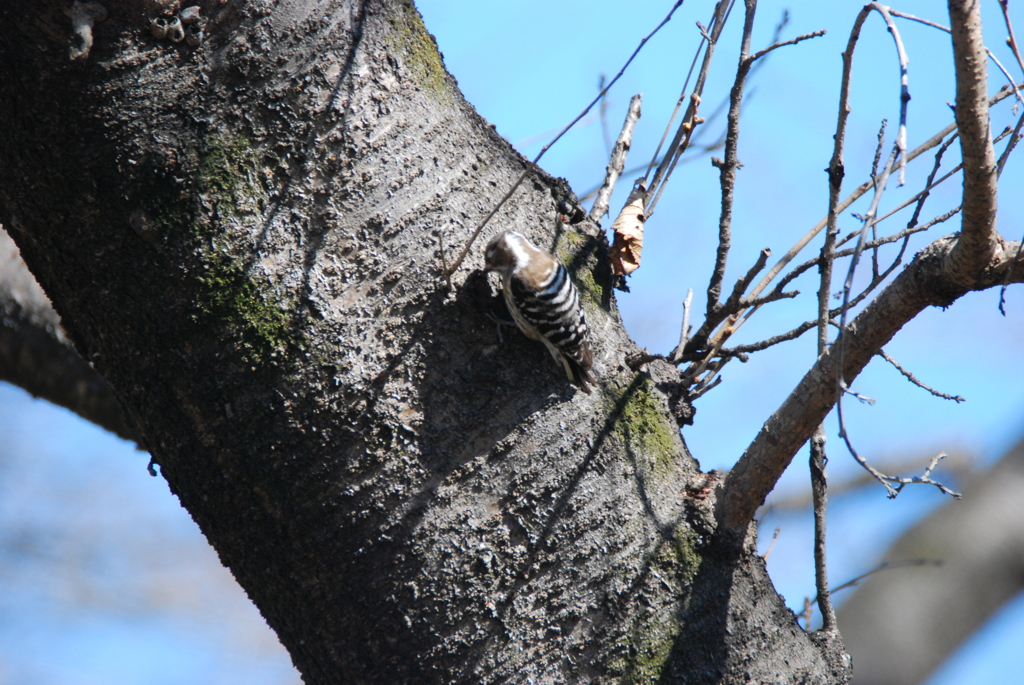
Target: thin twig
column 1002, row 160
column 884, row 566
column 819, row 490
column 731, row 163
column 901, row 136
column 961, row 470
column 617, row 161
column 1011, row 39
column 773, row 296
column 818, row 458
column 797, row 271
column 991, row 55
column 857, row 194
column 678, row 145
column 771, row 545
column 684, row 332
column 704, row 149
column 878, row 148
column 720, row 141
column 886, row 479
column 874, row 175
column 655, row 159
column 690, row 123
column 706, row 385
column 741, row 285
column 1010, row 145
column 918, row 197
column 716, row 311
column 792, row 41
column 532, row 165
column 774, row 340
column 910, row 377
column 898, row 156
column 603, row 114
column 869, row 221
column 928, row 184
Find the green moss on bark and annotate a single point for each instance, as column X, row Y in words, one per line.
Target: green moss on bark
column 247, row 309
column 650, row 645
column 411, row 39
column 229, row 176
column 643, row 428
column 577, row 252
column 231, row 296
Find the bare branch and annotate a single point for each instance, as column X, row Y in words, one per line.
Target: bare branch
column 836, row 170
column 729, row 166
column 960, row 469
column 901, row 135
column 926, row 281
column 709, row 383
column 883, row 478
column 884, row 566
column 678, row 145
column 978, row 230
column 1010, row 145
column 684, row 332
column 771, row 545
column 617, row 161
column 741, row 285
column 991, row 55
column 792, row 41
column 858, row 193
column 773, row 296
column 797, row 271
column 603, row 113
column 532, row 165
column 910, row 377
column 819, row 489
column 928, row 185
column 37, row 356
column 698, row 340
column 1011, row 39
column 869, row 222
column 774, row 340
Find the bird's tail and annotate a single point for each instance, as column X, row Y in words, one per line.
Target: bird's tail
column 580, row 376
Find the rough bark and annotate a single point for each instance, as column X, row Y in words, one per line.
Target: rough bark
column 245, row 239
column 897, row 624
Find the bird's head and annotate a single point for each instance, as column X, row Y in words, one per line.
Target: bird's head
column 506, row 252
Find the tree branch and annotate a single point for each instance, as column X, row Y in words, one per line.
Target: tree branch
column 678, row 144
column 37, row 356
column 976, row 246
column 913, row 379
column 819, row 490
column 728, row 167
column 926, row 281
column 697, row 342
column 617, row 161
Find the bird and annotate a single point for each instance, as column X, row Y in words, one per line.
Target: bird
column 544, row 303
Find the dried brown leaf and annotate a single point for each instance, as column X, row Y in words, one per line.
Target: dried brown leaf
column 629, row 234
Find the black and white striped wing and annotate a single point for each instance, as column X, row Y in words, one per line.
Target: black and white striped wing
column 553, row 310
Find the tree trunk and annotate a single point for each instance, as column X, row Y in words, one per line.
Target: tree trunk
column 246, row 240
column 974, row 549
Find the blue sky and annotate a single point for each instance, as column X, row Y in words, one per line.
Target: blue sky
column 529, row 68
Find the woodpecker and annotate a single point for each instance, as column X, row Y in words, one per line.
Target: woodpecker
column 544, row 303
